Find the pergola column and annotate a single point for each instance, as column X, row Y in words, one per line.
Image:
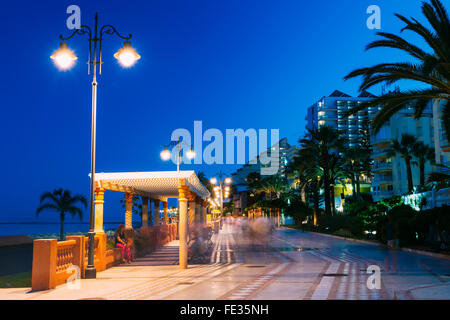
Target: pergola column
column 150, row 212
column 204, row 209
column 128, row 210
column 192, row 207
column 145, row 211
column 166, row 219
column 156, row 201
column 198, row 209
column 183, row 194
column 98, row 205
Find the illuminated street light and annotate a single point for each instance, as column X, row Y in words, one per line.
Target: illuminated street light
column 221, row 192
column 190, row 154
column 166, row 154
column 127, row 56
column 64, row 58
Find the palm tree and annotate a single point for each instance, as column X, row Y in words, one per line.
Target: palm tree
column 318, row 146
column 137, row 205
column 430, row 68
column 308, row 175
column 404, row 148
column 438, row 177
column 205, row 181
column 337, row 173
column 272, row 185
column 355, row 157
column 423, row 153
column 62, row 202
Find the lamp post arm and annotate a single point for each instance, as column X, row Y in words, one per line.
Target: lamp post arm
column 83, row 30
column 109, row 29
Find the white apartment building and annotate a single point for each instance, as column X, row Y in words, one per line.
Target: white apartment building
column 389, row 174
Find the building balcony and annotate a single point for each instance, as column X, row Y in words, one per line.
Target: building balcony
column 445, row 145
column 379, row 153
column 378, row 195
column 328, row 117
column 382, row 166
column 382, row 179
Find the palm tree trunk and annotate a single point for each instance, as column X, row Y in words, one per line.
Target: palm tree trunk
column 316, row 206
column 61, row 231
column 358, row 186
column 333, row 202
column 326, row 187
column 409, row 174
column 422, row 172
column 353, row 186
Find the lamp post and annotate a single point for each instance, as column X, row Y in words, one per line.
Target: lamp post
column 166, row 154
column 220, row 190
column 64, row 59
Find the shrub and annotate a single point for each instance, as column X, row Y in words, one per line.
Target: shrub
column 110, row 243
column 343, row 233
column 355, row 225
column 332, row 223
column 404, row 217
column 298, row 210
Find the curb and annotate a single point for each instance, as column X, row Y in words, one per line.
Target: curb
column 425, row 253
column 349, row 239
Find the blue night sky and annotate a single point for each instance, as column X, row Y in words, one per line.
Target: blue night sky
column 231, row 64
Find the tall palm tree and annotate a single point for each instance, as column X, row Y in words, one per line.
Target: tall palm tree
column 62, row 202
column 308, row 175
column 355, row 158
column 318, row 146
column 438, row 177
column 205, row 181
column 337, row 173
column 272, row 185
column 136, row 207
column 404, row 148
column 429, row 68
column 423, row 153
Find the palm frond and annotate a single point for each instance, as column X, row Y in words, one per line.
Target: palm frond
column 46, row 206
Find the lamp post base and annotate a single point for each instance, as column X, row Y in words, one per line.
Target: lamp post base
column 90, row 273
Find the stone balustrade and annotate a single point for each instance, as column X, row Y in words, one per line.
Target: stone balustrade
column 54, row 261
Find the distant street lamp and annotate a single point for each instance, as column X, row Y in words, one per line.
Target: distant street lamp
column 220, row 191
column 167, row 155
column 64, row 59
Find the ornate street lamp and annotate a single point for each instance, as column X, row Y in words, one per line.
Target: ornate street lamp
column 220, row 191
column 64, row 59
column 167, row 155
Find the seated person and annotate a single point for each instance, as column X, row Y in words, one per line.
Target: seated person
column 121, row 242
column 194, row 244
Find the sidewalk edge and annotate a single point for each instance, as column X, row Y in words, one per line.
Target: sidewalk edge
column 422, row 252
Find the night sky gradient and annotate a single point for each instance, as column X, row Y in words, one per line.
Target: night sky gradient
column 232, row 64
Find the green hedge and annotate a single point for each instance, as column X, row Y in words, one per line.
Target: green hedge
column 332, row 224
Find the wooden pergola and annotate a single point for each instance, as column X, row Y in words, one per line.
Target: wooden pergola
column 157, row 186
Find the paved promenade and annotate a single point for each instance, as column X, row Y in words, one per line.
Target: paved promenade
column 297, row 265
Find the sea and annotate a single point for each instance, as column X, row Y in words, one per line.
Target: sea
column 39, row 229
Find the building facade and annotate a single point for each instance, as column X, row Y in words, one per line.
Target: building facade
column 390, row 176
column 286, row 154
column 441, row 144
column 330, row 111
